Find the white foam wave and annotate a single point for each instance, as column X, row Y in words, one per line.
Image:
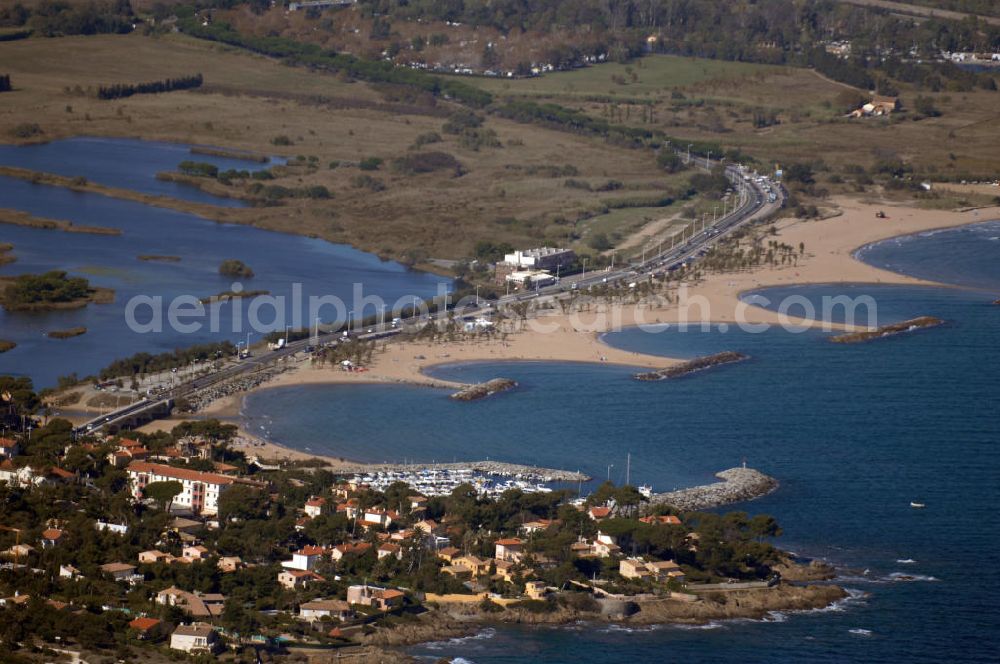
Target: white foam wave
column 905, row 561
column 900, row 577
column 860, row 632
column 628, row 630
column 708, row 625
column 487, row 633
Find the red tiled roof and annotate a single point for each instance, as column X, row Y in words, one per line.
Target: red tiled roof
column 52, row 534
column 311, row 551
column 510, row 541
column 178, row 473
column 143, row 624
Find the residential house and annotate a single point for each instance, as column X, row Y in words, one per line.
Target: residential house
column 296, row 579
column 535, row 589
column 449, row 553
column 229, row 564
column 315, row 507
column 195, row 638
column 427, row 526
column 666, row 570
column 476, row 565
column 460, row 572
column 662, row 520
column 9, row 448
column 350, row 548
column 604, row 546
column 390, row 549
column 536, row 526
column 599, row 512
column 68, row 572
column 196, row 604
column 376, row 516
column 511, row 549
column 200, row 491
column 325, row 608
column 147, row 628
column 121, row 572
column 383, row 599
column 193, row 553
column 306, row 558
column 633, row 568
column 154, row 556
column 51, row 537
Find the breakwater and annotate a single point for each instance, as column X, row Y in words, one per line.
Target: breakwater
column 691, row 366
column 499, row 468
column 737, row 485
column 919, row 323
column 483, row 390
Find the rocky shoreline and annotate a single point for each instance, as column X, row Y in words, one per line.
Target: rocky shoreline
column 457, row 620
column 691, row 366
column 483, row 390
column 919, row 323
column 737, row 485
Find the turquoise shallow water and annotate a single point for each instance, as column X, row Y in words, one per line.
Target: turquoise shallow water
column 854, row 433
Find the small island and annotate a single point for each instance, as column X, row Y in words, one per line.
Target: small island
column 236, row 269
column 691, row 366
column 6, row 345
column 483, row 390
column 68, row 333
column 5, row 253
column 19, row 218
column 50, row 291
column 892, row 329
column 160, row 258
column 225, row 296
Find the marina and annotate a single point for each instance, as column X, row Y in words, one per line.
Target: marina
column 443, row 481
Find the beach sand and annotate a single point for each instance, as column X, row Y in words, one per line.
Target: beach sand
column 575, row 337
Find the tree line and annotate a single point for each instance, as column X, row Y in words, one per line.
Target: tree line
column 122, row 90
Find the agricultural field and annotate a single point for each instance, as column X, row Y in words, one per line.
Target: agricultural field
column 510, row 187
column 776, row 114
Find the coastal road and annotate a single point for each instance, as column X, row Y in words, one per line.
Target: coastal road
column 758, row 199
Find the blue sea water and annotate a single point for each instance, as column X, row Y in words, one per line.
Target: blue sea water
column 124, row 163
column 853, row 432
column 280, row 261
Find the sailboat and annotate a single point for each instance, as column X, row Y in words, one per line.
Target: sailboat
column 918, row 506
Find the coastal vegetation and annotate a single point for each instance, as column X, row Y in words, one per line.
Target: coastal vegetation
column 51, row 290
column 122, row 90
column 225, row 296
column 67, row 333
column 146, row 363
column 891, row 329
column 6, row 253
column 236, row 269
column 19, row 218
column 6, row 345
column 691, row 366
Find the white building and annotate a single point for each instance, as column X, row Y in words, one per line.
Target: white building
column 305, row 558
column 200, row 492
column 199, row 637
column 542, row 258
column 531, row 278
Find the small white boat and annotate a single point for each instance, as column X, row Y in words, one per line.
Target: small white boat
column 917, row 505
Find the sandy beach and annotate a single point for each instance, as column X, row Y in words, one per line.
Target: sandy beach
column 560, row 336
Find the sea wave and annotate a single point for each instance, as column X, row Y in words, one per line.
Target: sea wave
column 487, row 633
column 905, row 561
column 901, row 577
column 708, row 625
column 860, row 632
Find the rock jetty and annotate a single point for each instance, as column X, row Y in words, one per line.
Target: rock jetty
column 892, row 329
column 737, row 485
column 697, row 364
column 483, row 390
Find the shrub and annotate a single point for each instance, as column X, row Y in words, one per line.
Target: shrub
column 235, row 268
column 427, row 162
column 370, row 163
column 26, row 130
column 367, row 182
column 281, row 140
